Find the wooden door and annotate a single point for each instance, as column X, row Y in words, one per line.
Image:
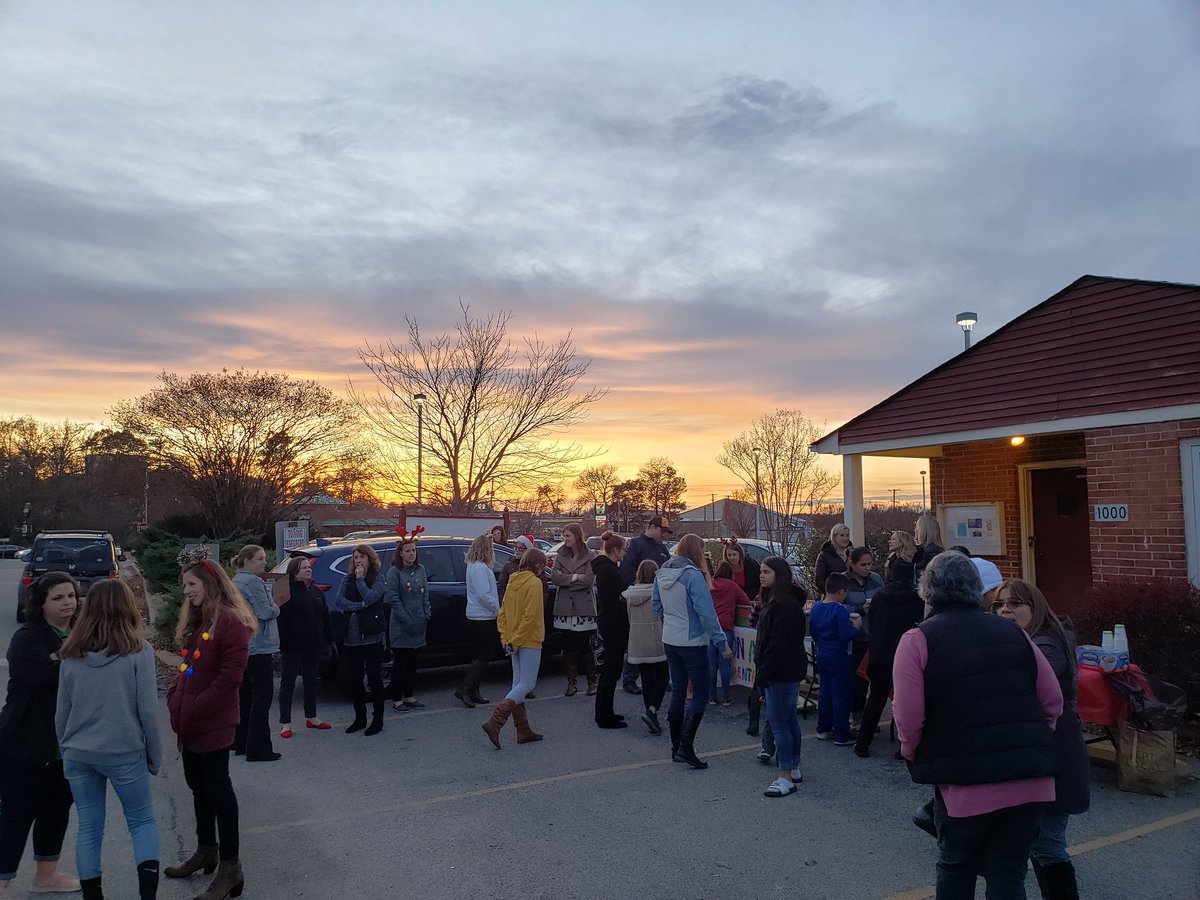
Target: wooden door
column 1062, row 549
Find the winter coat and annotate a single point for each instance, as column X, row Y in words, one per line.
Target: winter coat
column 897, row 568
column 925, row 553
column 574, row 594
column 640, row 549
column 303, row 621
column 353, row 596
column 828, row 562
column 522, row 619
column 645, row 627
column 682, row 599
column 779, row 654
column 205, row 706
column 895, row 608
column 611, row 613
column 406, row 592
column 832, row 631
column 727, row 597
column 1072, row 790
column 857, row 596
column 27, row 720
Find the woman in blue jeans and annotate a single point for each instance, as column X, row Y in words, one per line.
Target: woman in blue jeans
column 107, row 725
column 780, row 663
column 682, row 599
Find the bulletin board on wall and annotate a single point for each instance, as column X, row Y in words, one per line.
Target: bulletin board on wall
column 977, row 526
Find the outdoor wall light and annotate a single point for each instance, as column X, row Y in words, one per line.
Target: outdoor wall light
column 966, row 321
column 1016, row 440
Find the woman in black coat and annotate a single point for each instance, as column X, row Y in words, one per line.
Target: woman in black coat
column 780, row 664
column 612, row 619
column 303, row 634
column 34, row 795
column 834, row 557
column 1024, row 604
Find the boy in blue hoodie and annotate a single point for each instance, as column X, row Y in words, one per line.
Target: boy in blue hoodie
column 833, row 628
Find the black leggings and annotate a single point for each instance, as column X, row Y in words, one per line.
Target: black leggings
column 253, row 735
column 655, row 678
column 305, row 664
column 32, row 796
column 404, row 672
column 616, row 639
column 366, row 658
column 207, row 774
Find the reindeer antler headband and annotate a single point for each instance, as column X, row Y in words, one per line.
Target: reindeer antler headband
column 410, row 537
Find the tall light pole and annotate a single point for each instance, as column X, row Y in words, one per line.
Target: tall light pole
column 420, row 399
column 923, row 507
column 757, row 496
column 966, row 321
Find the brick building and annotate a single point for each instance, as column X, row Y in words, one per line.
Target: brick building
column 1065, row 446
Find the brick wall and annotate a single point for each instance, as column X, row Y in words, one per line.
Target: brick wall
column 986, row 472
column 1139, row 465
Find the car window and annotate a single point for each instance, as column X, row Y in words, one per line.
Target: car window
column 503, row 555
column 439, row 563
column 84, row 551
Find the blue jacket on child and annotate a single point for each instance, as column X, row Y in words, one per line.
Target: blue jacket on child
column 829, row 625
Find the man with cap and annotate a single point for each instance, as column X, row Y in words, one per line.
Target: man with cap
column 647, row 545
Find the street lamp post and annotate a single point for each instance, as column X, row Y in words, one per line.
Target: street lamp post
column 923, row 507
column 25, row 525
column 757, row 497
column 420, row 399
column 966, row 321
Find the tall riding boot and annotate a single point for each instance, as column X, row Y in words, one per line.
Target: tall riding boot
column 376, row 725
column 228, row 883
column 360, row 717
column 571, row 658
column 147, row 873
column 687, row 750
column 91, row 888
column 500, row 715
column 525, row 734
column 1057, row 880
column 675, row 723
column 754, row 709
column 469, row 684
column 205, row 857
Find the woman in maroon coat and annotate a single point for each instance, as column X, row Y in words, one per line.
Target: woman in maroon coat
column 215, row 627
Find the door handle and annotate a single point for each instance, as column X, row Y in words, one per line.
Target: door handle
column 1031, row 540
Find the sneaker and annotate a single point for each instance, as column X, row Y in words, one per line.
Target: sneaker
column 728, row 701
column 713, row 702
column 824, row 735
column 413, row 703
column 863, row 752
column 849, row 742
column 632, row 689
column 764, row 757
column 651, row 721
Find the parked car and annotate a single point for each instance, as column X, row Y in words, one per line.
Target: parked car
column 9, row 551
column 444, row 559
column 21, row 554
column 87, row 556
column 544, row 546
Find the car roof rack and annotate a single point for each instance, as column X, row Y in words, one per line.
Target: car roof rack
column 94, row 531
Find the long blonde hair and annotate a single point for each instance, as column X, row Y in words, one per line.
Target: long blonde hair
column 691, row 547
column 482, row 550
column 109, row 623
column 908, row 547
column 220, row 596
column 928, row 531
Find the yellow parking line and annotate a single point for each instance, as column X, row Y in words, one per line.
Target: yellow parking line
column 1121, row 837
column 483, row 792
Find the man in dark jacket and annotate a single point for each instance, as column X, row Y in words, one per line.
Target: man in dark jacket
column 647, row 545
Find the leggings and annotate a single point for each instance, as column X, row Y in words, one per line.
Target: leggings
column 404, row 672
column 33, row 796
column 216, row 805
column 302, row 663
column 369, row 658
column 525, row 664
column 655, row 678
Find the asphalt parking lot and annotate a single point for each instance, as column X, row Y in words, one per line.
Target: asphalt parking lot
column 429, row 809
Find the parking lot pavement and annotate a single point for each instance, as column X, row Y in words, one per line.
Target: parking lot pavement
column 429, row 809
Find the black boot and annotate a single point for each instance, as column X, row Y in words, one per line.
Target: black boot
column 376, row 725
column 148, row 879
column 1057, row 880
column 360, row 717
column 91, row 888
column 675, row 723
column 469, row 689
column 923, row 819
column 687, row 749
column 754, row 708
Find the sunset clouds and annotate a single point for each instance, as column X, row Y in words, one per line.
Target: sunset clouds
column 731, row 209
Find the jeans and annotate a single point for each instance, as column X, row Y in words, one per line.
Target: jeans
column 785, row 727
column 654, row 684
column 89, row 786
column 253, row 735
column 616, row 640
column 207, row 774
column 33, row 797
column 995, row 845
column 688, row 664
column 526, row 661
column 835, row 695
column 357, row 660
column 303, row 663
column 1050, row 846
column 719, row 665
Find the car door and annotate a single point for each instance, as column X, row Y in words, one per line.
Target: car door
column 445, row 571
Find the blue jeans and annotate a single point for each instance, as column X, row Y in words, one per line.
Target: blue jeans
column 785, row 727
column 718, row 664
column 89, row 785
column 525, row 664
column 1050, row 846
column 835, row 696
column 688, row 664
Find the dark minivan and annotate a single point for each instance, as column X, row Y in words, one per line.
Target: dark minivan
column 87, row 556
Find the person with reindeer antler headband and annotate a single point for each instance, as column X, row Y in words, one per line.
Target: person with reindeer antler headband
column 406, row 594
column 745, row 570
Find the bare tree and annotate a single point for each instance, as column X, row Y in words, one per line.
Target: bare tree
column 737, row 513
column 791, row 478
column 628, row 506
column 489, row 411
column 595, row 485
column 251, row 445
column 550, row 498
column 663, row 486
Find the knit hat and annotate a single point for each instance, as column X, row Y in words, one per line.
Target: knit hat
column 988, row 573
column 520, row 542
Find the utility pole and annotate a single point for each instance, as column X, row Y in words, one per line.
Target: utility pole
column 893, row 490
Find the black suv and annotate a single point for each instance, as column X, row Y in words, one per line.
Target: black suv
column 87, row 556
column 444, row 559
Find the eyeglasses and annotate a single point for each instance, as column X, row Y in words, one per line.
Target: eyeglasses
column 1011, row 604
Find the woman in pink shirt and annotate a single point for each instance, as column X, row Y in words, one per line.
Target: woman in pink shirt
column 975, row 704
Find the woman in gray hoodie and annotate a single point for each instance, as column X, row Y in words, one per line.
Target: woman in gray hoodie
column 107, row 726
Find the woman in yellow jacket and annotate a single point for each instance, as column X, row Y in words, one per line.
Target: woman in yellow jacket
column 522, row 624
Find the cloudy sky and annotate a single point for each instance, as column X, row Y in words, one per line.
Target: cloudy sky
column 734, row 207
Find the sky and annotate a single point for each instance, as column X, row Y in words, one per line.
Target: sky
column 731, row 207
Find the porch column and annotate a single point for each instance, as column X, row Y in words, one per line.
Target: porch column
column 852, row 497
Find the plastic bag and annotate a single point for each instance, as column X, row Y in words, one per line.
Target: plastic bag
column 1154, row 705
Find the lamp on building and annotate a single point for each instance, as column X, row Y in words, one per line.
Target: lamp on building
column 923, row 507
column 1016, row 440
column 757, row 496
column 966, row 321
column 420, row 401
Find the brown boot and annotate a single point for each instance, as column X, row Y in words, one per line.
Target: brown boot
column 525, row 734
column 228, row 883
column 500, row 715
column 204, row 858
column 572, row 660
column 593, row 685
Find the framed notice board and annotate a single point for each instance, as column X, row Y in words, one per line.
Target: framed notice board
column 977, row 526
